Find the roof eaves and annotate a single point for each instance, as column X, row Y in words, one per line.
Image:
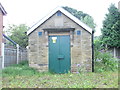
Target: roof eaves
column 2, row 9
column 42, row 20
column 77, row 20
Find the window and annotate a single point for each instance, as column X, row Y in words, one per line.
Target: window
column 59, row 13
column 78, row 32
column 39, row 33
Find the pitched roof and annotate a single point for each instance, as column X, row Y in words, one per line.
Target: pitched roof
column 64, row 12
column 2, row 9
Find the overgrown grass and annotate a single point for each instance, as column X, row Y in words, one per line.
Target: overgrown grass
column 22, row 76
column 104, row 61
column 19, row 69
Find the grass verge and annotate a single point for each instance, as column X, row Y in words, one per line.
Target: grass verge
column 22, row 76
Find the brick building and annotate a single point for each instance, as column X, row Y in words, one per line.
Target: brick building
column 60, row 43
column 2, row 13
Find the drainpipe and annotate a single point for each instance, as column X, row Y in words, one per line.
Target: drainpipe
column 92, row 50
column 9, row 39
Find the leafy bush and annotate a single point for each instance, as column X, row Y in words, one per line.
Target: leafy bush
column 109, row 66
column 104, row 60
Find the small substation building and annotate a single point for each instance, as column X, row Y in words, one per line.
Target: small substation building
column 60, row 43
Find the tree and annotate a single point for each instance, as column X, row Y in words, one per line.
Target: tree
column 111, row 27
column 89, row 21
column 85, row 18
column 17, row 34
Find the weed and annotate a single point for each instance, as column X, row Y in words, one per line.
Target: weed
column 104, row 61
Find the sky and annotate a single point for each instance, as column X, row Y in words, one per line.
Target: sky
column 31, row 11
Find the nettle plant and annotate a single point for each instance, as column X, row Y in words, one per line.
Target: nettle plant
column 80, row 68
column 110, row 63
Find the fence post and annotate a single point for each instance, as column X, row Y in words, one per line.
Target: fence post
column 114, row 51
column 17, row 53
column 3, row 55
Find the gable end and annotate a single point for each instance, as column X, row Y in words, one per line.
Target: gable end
column 66, row 13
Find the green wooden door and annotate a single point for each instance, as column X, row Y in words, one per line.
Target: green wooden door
column 59, row 54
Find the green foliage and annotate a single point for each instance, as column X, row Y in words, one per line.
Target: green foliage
column 104, row 60
column 111, row 27
column 17, row 34
column 87, row 19
column 97, row 47
column 98, row 43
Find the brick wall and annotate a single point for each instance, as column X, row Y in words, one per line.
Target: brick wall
column 1, row 29
column 81, row 52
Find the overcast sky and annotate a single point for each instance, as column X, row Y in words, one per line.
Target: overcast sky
column 30, row 11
